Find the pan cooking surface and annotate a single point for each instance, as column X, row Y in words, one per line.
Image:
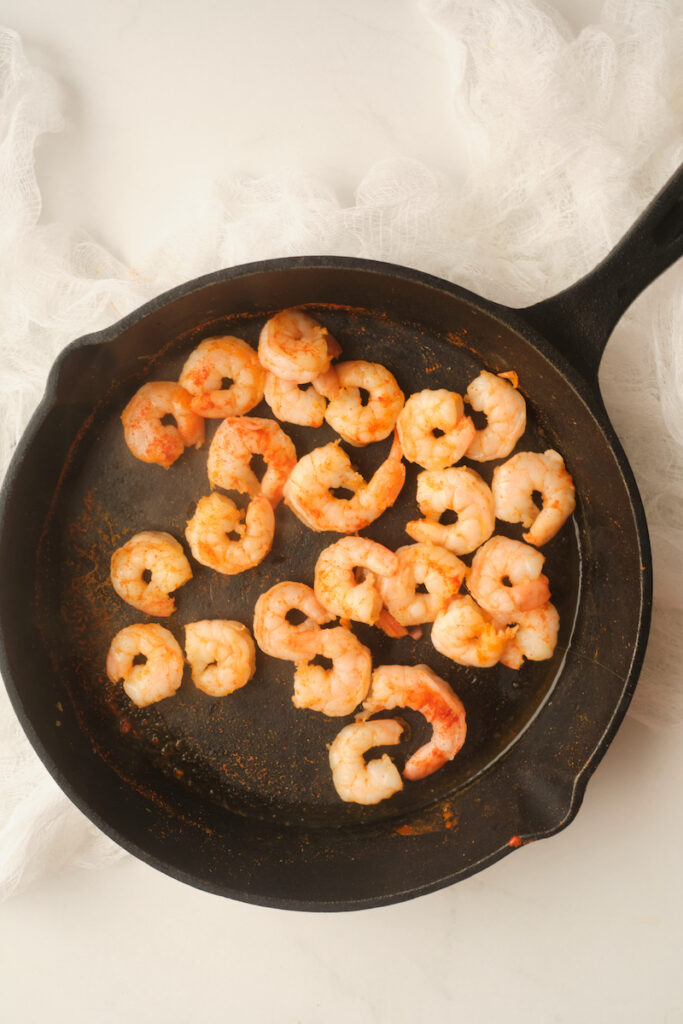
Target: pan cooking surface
column 252, row 751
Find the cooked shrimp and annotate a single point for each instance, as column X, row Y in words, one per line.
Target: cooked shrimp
column 327, row 383
column 359, row 781
column 280, row 638
column 236, row 441
column 158, row 556
column 294, row 403
column 417, row 687
column 505, row 409
column 214, row 361
column 221, row 654
column 308, row 489
column 360, row 424
column 148, row 438
column 215, row 518
column 435, row 568
column 535, row 635
column 514, row 484
column 294, row 346
column 337, row 587
column 502, row 559
column 459, row 490
column 160, row 674
column 426, row 413
column 338, row 690
column 465, row 633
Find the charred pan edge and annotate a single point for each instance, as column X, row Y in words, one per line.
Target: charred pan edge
column 587, row 390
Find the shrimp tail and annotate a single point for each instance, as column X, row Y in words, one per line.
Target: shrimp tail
column 388, row 624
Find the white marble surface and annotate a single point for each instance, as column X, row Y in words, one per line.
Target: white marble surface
column 160, row 98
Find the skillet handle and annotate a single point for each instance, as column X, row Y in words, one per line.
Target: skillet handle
column 580, row 319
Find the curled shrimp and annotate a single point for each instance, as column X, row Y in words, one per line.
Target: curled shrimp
column 236, row 441
column 221, row 654
column 505, row 409
column 334, row 691
column 154, row 554
column 355, row 780
column 465, row 633
column 294, row 346
column 161, row 672
column 294, row 403
column 148, row 438
column 427, row 412
column 279, row 637
column 356, row 423
column 535, row 636
column 308, row 489
column 437, row 569
column 501, row 559
column 215, row 518
column 336, row 585
column 459, row 490
column 514, row 484
column 417, row 687
column 214, row 361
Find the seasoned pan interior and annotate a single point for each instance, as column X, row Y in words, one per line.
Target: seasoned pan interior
column 253, row 752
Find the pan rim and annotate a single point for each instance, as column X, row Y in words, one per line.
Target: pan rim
column 590, row 395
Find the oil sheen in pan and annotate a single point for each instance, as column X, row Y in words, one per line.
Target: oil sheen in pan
column 253, row 751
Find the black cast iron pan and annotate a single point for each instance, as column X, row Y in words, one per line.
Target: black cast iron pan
column 234, row 795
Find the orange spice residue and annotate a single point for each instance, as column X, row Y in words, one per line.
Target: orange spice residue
column 405, row 830
column 437, row 820
column 449, row 818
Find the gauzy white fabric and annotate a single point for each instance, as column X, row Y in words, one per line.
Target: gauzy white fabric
column 567, row 137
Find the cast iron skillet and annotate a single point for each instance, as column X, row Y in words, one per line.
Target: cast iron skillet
column 234, row 795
